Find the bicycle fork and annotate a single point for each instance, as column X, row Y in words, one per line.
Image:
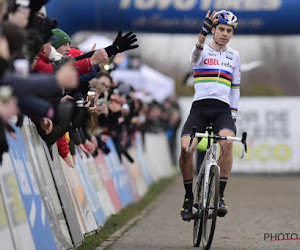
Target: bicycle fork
column 206, row 182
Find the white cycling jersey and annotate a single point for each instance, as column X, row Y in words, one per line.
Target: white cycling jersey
column 217, row 75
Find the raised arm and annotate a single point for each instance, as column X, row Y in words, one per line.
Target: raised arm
column 209, row 20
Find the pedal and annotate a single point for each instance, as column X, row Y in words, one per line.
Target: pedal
column 195, row 209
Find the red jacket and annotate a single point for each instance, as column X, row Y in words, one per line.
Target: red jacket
column 63, row 146
column 43, row 65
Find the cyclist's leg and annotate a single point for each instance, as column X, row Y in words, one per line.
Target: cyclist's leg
column 225, row 126
column 187, row 170
column 186, row 162
column 225, row 162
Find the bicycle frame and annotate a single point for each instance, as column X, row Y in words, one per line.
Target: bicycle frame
column 210, row 159
column 207, row 187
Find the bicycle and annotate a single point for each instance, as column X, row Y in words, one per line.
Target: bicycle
column 206, row 189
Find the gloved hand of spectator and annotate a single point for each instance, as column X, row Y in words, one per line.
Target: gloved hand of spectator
column 122, row 43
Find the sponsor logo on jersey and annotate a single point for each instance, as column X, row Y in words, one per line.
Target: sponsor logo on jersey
column 214, row 61
column 212, row 54
column 229, row 55
column 211, row 61
column 227, row 64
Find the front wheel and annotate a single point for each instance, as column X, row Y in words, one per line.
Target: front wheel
column 211, row 210
column 197, row 231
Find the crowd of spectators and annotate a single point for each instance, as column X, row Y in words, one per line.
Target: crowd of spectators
column 67, row 94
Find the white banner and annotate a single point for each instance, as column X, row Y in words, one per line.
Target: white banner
column 272, row 127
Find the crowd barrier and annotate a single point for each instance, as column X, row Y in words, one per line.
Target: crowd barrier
column 44, row 204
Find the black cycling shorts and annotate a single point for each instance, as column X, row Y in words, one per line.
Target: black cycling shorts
column 206, row 111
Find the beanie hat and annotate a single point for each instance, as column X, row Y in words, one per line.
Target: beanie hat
column 75, row 52
column 62, row 37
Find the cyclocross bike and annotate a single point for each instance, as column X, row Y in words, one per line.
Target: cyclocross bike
column 206, row 189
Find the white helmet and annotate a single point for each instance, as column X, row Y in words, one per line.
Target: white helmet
column 227, row 17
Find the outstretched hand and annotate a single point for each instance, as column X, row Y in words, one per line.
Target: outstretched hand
column 125, row 42
column 122, row 43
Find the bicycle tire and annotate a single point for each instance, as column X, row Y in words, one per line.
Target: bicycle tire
column 211, row 210
column 197, row 230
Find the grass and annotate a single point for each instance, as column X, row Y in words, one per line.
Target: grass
column 115, row 222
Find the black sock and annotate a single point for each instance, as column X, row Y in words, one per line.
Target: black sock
column 188, row 185
column 223, row 182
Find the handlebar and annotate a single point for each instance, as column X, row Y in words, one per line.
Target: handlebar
column 219, row 138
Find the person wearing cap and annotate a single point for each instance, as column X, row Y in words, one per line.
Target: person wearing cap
column 61, row 42
column 62, row 45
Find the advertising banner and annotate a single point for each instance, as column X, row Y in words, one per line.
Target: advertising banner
column 37, row 157
column 14, row 228
column 138, row 143
column 107, row 179
column 158, row 156
column 34, row 207
column 5, row 235
column 119, row 175
column 135, row 172
column 90, row 190
column 174, row 16
column 131, row 179
column 272, row 125
column 98, row 186
column 75, row 228
column 80, row 199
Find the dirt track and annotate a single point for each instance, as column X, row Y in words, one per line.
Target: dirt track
column 257, row 206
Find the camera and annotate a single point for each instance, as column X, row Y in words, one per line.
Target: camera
column 80, row 103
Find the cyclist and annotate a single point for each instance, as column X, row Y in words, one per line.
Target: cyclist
column 216, row 83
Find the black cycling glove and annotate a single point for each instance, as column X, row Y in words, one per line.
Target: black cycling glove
column 122, row 43
column 207, row 26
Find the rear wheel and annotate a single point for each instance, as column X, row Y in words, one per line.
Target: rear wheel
column 211, row 209
column 197, row 231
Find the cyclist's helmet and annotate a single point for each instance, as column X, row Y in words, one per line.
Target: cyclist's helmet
column 227, row 17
